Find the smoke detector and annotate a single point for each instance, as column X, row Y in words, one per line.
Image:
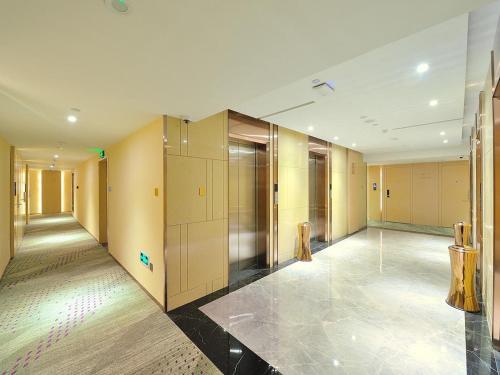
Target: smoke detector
column 119, row 6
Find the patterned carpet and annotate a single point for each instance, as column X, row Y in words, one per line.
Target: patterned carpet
column 66, row 307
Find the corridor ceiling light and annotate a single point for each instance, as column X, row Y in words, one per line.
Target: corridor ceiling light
column 445, row 141
column 335, row 138
column 442, row 133
column 310, row 128
column 354, row 145
column 422, row 68
column 72, row 119
column 56, row 156
column 433, row 103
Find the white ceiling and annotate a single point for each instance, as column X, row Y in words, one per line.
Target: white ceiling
column 383, row 87
column 181, row 57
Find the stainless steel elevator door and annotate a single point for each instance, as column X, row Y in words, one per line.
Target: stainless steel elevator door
column 317, row 196
column 242, row 206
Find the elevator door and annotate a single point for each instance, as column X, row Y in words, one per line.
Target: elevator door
column 247, row 249
column 317, row 196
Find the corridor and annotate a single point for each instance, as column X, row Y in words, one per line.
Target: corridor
column 68, row 307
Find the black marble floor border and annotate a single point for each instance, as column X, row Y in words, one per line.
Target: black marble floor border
column 480, row 354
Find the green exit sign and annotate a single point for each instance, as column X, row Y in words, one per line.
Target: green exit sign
column 102, row 154
column 144, row 258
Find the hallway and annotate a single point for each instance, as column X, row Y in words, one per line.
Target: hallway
column 68, row 307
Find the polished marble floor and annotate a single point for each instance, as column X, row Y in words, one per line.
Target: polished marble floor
column 371, row 304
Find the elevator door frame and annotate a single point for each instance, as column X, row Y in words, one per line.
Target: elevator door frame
column 247, row 130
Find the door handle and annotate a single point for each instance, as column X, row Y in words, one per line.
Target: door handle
column 388, row 193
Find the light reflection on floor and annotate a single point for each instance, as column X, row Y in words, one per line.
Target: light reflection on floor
column 371, row 304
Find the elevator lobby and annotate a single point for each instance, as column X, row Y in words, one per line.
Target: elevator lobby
column 231, row 187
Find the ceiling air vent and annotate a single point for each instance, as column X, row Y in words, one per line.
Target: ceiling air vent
column 323, row 88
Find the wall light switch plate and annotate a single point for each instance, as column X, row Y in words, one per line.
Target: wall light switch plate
column 109, row 189
column 202, row 191
column 156, row 192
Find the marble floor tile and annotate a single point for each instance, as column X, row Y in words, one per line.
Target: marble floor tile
column 371, row 304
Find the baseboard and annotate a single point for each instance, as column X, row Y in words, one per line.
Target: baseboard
column 138, row 283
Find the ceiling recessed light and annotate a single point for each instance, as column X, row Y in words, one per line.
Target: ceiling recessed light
column 442, row 133
column 445, row 141
column 433, row 103
column 354, row 145
column 310, row 128
column 335, row 138
column 72, row 119
column 56, row 156
column 422, row 68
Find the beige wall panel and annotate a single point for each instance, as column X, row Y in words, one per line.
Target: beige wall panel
column 184, row 138
column 209, row 192
column 206, row 138
column 66, row 191
column 205, row 252
column 186, row 297
column 425, row 194
column 86, row 192
column 339, row 192
column 356, row 209
column 184, row 257
column 5, row 205
column 173, row 136
column 187, row 190
column 374, row 196
column 203, row 214
column 35, row 191
column 397, row 179
column 218, row 188
column 51, row 192
column 455, row 191
column 293, row 199
column 135, row 213
column 174, row 260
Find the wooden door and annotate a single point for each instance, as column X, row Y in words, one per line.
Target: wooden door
column 397, row 193
column 51, row 192
column 425, row 194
